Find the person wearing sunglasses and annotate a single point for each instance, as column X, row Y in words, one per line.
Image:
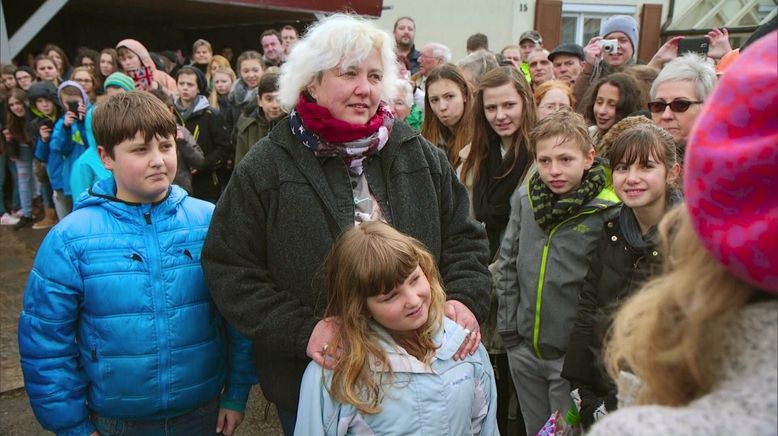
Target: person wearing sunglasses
column 678, row 94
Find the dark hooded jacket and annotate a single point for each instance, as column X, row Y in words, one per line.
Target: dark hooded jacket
column 208, row 131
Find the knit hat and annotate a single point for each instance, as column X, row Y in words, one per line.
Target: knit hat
column 731, row 168
column 120, row 80
column 624, row 24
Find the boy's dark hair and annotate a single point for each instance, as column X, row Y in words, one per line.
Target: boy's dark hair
column 268, row 83
column 477, row 41
column 565, row 124
column 200, row 80
column 122, row 116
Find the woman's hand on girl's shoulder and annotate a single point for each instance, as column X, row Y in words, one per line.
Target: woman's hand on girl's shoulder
column 321, row 347
column 460, row 314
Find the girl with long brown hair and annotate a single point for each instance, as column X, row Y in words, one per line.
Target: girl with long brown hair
column 395, row 348
column 448, row 109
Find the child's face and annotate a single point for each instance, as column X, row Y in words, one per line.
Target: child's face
column 561, row 163
column 222, row 83
column 406, row 307
column 605, row 106
column 202, row 55
column 106, row 64
column 268, row 101
column 143, row 171
column 643, row 185
column 130, row 61
column 9, row 81
column 85, row 80
column 251, row 72
column 44, row 105
column 46, row 70
column 23, row 79
column 16, row 107
column 187, row 87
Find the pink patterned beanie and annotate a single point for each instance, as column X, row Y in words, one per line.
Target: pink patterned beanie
column 731, row 168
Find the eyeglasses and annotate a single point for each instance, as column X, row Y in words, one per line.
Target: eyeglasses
column 676, row 106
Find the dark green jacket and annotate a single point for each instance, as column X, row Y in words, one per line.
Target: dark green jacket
column 249, row 130
column 280, row 216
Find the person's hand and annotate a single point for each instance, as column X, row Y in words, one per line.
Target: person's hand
column 229, row 420
column 719, row 43
column 70, row 118
column 45, row 132
column 229, row 164
column 320, row 345
column 667, row 52
column 94, row 433
column 460, row 314
column 193, row 171
column 179, row 133
column 593, row 51
column 7, row 135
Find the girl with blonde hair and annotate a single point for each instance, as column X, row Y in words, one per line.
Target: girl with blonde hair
column 395, row 347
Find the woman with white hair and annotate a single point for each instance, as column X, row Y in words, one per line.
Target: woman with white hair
column 403, row 106
column 339, row 159
column 678, row 93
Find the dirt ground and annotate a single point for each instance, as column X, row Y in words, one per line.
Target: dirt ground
column 17, row 250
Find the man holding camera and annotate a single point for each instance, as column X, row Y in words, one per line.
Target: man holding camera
column 608, row 53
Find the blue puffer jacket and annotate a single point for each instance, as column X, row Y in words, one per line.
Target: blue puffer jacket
column 117, row 315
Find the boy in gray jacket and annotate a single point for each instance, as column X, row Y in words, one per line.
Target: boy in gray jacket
column 556, row 219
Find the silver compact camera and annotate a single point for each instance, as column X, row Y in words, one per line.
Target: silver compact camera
column 610, row 45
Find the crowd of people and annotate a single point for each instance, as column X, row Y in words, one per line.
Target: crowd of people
column 542, row 240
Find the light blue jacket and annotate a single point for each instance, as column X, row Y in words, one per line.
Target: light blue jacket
column 117, row 318
column 449, row 398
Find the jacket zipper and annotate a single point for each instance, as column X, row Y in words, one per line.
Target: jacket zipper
column 542, row 277
column 160, row 312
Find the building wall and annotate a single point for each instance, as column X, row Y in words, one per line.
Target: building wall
column 450, row 22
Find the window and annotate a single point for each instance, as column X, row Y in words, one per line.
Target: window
column 582, row 22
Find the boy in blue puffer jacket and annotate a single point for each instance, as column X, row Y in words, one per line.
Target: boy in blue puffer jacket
column 119, row 330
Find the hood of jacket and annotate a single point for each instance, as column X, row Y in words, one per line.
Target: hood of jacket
column 103, row 193
column 138, row 48
column 70, row 83
column 44, row 89
column 200, row 104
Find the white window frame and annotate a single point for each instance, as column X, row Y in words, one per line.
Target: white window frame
column 581, row 11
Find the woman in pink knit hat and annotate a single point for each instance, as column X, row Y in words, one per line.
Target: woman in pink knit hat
column 696, row 350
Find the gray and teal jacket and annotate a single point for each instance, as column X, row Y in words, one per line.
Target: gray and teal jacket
column 540, row 274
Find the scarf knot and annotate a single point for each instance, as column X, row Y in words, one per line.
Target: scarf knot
column 315, row 127
column 551, row 209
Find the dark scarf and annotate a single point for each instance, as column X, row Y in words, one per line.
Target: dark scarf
column 550, row 209
column 492, row 191
column 316, row 128
column 630, row 227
